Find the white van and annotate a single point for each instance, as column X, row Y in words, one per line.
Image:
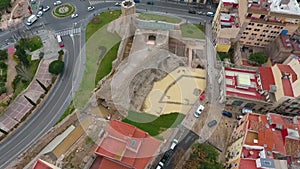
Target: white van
column 31, row 19
column 59, row 40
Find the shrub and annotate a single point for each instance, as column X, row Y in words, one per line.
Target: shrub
column 3, row 55
column 56, row 67
column 258, row 57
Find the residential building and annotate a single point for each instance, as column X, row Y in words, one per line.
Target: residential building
column 124, row 146
column 284, row 45
column 258, row 22
column 265, row 141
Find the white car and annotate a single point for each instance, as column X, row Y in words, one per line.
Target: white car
column 90, row 8
column 118, row 3
column 174, row 143
column 57, row 3
column 199, row 111
column 160, row 165
column 74, row 15
column 46, row 8
column 39, row 14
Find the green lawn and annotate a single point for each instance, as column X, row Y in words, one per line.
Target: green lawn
column 97, row 37
column 169, row 19
column 19, row 85
column 189, row 30
column 32, row 44
column 152, row 124
column 68, row 111
column 105, row 65
column 103, row 19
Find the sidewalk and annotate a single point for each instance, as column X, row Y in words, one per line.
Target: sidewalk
column 20, row 107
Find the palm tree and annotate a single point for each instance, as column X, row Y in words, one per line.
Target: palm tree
column 23, row 73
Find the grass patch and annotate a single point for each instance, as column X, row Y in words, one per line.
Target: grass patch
column 102, row 19
column 70, row 9
column 152, row 124
column 189, row 30
column 67, row 112
column 148, row 17
column 105, row 65
column 20, row 85
column 97, row 37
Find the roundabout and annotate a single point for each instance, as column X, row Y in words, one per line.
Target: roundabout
column 63, row 10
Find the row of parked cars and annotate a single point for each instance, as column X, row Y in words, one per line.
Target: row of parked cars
column 192, row 11
column 167, row 155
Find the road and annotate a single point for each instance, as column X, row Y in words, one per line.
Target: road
column 58, row 100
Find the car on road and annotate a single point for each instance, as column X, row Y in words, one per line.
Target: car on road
column 202, row 96
column 192, row 11
column 246, row 110
column 57, row 3
column 90, row 8
column 46, row 8
column 60, row 42
column 166, row 156
column 150, row 3
column 39, row 14
column 200, row 13
column 41, row 7
column 199, row 110
column 31, row 19
column 212, row 123
column 226, row 113
column 118, row 3
column 74, row 15
column 174, row 143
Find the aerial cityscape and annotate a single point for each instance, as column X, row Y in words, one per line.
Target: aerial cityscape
column 149, row 84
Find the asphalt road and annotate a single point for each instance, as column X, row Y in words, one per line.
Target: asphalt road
column 57, row 101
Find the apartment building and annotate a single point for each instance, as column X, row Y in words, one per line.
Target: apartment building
column 265, row 141
column 259, row 21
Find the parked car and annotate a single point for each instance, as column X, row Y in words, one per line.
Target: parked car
column 239, row 117
column 212, row 123
column 74, row 15
column 150, row 3
column 174, row 143
column 192, row 11
column 166, row 156
column 90, row 8
column 41, row 7
column 246, row 110
column 57, row 3
column 202, row 96
column 200, row 13
column 199, row 111
column 118, row 3
column 46, row 8
column 160, row 165
column 39, row 14
column 226, row 113
column 210, row 14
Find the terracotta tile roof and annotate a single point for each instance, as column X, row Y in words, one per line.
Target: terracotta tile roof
column 287, row 69
column 128, row 145
column 110, row 164
column 287, row 87
column 247, row 163
column 41, row 164
column 267, row 77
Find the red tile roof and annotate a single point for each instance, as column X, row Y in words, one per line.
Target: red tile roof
column 267, row 77
column 247, row 163
column 287, row 87
column 128, row 145
column 287, row 69
column 40, row 164
column 110, row 164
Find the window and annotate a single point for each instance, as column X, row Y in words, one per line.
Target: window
column 266, row 31
column 262, row 35
column 259, row 40
column 248, row 28
column 260, row 25
column 262, row 17
column 249, row 15
column 267, row 40
column 257, row 30
column 251, row 23
column 254, row 34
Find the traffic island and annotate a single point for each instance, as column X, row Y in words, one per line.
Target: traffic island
column 64, row 10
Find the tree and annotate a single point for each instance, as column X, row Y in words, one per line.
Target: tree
column 61, row 52
column 258, row 57
column 3, row 55
column 22, row 56
column 3, row 65
column 23, row 73
column 4, row 4
column 56, row 67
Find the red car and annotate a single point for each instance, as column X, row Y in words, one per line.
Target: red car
column 202, row 96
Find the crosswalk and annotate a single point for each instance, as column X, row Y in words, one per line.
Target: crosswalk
column 99, row 2
column 68, row 32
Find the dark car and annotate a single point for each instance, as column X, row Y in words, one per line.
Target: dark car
column 226, row 113
column 192, row 11
column 167, row 156
column 150, row 3
column 212, row 123
column 41, row 7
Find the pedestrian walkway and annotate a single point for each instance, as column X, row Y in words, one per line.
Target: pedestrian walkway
column 68, row 32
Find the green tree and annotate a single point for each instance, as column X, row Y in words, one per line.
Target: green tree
column 208, row 165
column 258, row 57
column 56, row 67
column 3, row 55
column 3, row 65
column 22, row 56
column 4, row 4
column 23, row 73
column 61, row 52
